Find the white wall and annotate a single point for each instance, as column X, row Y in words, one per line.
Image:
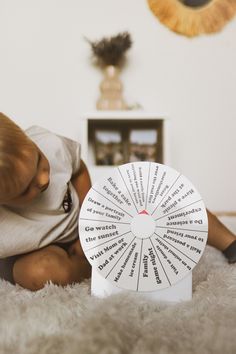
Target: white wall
column 46, row 78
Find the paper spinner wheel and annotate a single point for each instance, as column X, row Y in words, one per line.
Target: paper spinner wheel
column 143, row 227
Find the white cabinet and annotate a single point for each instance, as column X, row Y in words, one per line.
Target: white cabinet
column 111, row 138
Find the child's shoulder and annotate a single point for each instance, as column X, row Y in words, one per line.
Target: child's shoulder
column 47, row 141
column 36, row 130
column 44, row 136
column 53, row 144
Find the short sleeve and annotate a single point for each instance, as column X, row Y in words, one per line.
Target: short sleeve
column 73, row 149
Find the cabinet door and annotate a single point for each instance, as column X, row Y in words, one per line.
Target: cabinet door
column 115, row 142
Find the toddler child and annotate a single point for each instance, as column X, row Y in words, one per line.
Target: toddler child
column 43, row 182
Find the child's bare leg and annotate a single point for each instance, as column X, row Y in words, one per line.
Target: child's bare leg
column 218, row 234
column 34, row 269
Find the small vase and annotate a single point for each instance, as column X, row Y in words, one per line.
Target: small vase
column 111, row 90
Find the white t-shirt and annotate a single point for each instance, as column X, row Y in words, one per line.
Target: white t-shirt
column 44, row 220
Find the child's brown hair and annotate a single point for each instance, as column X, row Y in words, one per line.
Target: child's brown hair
column 13, row 146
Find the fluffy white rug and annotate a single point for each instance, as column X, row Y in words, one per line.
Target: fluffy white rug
column 68, row 320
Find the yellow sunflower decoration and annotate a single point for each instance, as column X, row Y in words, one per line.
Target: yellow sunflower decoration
column 194, row 17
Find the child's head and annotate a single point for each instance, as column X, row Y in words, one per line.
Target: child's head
column 24, row 169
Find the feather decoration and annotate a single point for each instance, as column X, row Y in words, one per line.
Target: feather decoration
column 111, row 50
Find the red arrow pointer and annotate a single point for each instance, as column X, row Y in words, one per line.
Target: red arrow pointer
column 144, row 212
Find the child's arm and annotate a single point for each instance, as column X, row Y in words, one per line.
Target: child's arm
column 82, row 182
